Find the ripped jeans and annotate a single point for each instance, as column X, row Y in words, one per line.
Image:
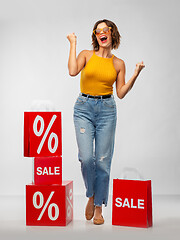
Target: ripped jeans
column 95, row 124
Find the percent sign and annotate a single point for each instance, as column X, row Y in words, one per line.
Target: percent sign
column 41, row 202
column 39, row 133
column 70, row 204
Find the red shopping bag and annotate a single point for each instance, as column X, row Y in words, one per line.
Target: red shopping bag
column 132, row 203
column 42, row 134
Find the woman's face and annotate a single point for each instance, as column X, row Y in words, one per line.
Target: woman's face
column 104, row 38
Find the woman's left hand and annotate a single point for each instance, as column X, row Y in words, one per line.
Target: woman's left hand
column 139, row 67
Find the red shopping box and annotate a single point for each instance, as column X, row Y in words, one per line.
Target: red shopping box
column 48, row 170
column 42, row 134
column 49, row 205
column 132, row 203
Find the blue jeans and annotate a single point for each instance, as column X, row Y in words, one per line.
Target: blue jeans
column 95, row 123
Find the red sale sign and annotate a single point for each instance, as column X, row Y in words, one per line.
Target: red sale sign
column 49, row 205
column 42, row 134
column 132, row 203
column 48, row 170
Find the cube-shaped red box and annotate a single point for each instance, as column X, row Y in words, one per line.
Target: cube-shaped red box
column 132, row 203
column 42, row 134
column 49, row 205
column 48, row 170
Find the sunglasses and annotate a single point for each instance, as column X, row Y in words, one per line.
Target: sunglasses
column 97, row 31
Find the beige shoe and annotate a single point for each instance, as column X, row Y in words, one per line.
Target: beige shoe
column 89, row 212
column 98, row 221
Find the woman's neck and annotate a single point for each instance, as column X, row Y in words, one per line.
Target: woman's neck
column 104, row 52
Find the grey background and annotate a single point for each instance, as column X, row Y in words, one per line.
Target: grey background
column 33, row 66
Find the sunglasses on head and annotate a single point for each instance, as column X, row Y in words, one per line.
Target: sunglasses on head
column 97, row 31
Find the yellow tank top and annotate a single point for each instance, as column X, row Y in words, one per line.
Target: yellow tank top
column 98, row 76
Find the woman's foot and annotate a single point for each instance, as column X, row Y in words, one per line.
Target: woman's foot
column 89, row 212
column 98, row 218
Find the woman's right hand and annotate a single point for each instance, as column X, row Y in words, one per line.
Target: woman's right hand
column 72, row 37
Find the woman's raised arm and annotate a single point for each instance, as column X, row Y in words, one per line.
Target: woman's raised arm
column 75, row 65
column 123, row 88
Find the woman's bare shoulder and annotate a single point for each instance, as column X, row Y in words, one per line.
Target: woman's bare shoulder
column 118, row 60
column 87, row 54
column 118, row 63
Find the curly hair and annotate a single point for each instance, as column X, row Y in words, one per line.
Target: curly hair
column 114, row 34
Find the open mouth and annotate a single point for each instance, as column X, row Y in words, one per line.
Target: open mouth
column 103, row 38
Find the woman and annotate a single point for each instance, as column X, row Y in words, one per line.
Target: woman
column 95, row 110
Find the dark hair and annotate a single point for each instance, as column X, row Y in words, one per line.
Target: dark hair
column 114, row 34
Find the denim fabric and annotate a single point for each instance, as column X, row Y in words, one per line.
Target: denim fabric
column 95, row 123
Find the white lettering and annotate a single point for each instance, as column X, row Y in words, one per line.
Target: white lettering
column 126, row 203
column 48, row 171
column 129, row 203
column 141, row 203
column 45, row 171
column 39, row 171
column 56, row 170
column 118, row 200
column 132, row 206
